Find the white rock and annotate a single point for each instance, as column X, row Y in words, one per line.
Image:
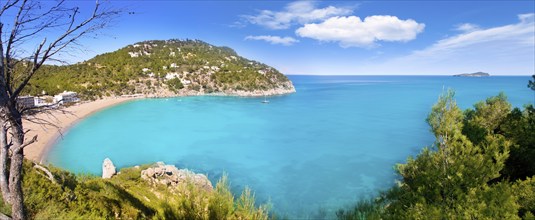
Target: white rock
column 159, row 171
column 149, row 172
column 170, row 175
column 108, row 169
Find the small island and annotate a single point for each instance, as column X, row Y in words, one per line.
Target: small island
column 477, row 74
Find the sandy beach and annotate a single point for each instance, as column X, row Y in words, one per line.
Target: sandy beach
column 47, row 134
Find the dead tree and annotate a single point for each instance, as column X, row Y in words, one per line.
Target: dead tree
column 41, row 32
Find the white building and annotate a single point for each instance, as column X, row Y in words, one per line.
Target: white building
column 66, row 97
column 41, row 101
column 26, row 101
column 171, row 76
column 133, row 54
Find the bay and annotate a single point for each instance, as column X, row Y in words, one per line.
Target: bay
column 333, row 142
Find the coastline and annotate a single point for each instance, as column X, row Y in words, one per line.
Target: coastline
column 284, row 89
column 64, row 120
column 48, row 135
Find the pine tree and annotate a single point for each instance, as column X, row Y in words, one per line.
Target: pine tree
column 451, row 179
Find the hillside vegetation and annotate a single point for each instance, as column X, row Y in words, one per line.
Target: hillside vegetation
column 163, row 68
column 127, row 196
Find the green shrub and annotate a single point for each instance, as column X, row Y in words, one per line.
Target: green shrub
column 175, row 84
column 127, row 196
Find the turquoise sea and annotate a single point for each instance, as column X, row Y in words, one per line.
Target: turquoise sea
column 334, row 141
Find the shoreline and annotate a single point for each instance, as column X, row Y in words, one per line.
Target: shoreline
column 48, row 135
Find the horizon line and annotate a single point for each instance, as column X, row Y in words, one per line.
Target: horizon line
column 392, row 75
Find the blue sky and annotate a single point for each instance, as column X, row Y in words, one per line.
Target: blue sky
column 340, row 38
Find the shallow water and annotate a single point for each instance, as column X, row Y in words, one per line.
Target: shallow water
column 334, row 141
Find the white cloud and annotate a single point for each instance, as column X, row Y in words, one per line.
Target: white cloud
column 286, row 41
column 516, row 34
column 353, row 32
column 299, row 12
column 467, row 27
column 502, row 50
column 526, row 18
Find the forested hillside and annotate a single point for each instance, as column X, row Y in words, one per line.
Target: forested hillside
column 163, row 68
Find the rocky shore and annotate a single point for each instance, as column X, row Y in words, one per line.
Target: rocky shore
column 283, row 89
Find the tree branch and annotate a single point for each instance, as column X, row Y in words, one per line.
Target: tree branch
column 25, row 144
column 10, row 40
column 8, row 5
column 2, row 75
column 57, row 7
column 61, row 42
column 49, row 174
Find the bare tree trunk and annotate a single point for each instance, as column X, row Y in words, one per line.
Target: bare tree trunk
column 4, row 150
column 15, row 186
column 31, row 21
column 15, row 173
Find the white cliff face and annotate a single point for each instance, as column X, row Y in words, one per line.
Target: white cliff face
column 108, row 169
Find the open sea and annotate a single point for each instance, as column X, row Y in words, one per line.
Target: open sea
column 310, row 153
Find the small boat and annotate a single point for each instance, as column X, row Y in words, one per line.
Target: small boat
column 265, row 101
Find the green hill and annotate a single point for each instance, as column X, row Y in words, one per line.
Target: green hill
column 163, row 68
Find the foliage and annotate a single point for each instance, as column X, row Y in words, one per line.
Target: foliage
column 128, row 196
column 455, row 166
column 519, row 127
column 175, row 84
column 486, row 118
column 531, row 84
column 466, row 172
column 205, row 66
column 525, row 192
column 363, row 210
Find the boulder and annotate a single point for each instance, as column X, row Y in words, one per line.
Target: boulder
column 170, row 169
column 159, row 171
column 149, row 172
column 108, row 169
column 169, row 175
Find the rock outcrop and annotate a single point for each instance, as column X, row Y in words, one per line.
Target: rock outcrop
column 171, row 176
column 108, row 169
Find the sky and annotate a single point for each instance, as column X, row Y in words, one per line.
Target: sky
column 339, row 37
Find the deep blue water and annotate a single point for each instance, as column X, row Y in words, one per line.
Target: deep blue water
column 334, row 141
